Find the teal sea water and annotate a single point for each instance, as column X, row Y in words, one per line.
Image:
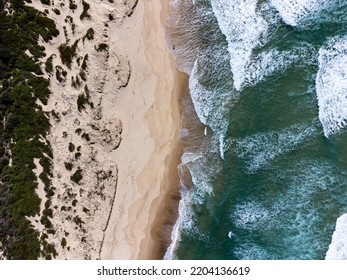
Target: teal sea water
column 264, row 169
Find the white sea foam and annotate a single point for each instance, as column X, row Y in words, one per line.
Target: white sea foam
column 338, row 246
column 231, row 234
column 246, row 25
column 221, row 146
column 294, row 212
column 186, row 221
column 260, row 149
column 210, row 104
column 175, row 239
column 331, row 85
column 251, row 251
column 293, row 12
column 203, row 99
column 250, row 216
column 308, row 204
column 268, row 63
column 244, row 29
column 201, row 175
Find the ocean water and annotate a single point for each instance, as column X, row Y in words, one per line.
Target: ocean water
column 264, row 169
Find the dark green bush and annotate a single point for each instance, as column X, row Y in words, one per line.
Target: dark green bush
column 77, row 176
column 84, row 63
column 56, row 11
column 102, row 47
column 67, row 53
column 85, row 13
column 71, row 147
column 74, row 202
column 78, row 131
column 77, row 155
column 89, row 35
column 63, row 242
column 24, row 124
column 82, row 100
column 86, row 136
column 68, row 165
column 72, row 5
column 49, row 64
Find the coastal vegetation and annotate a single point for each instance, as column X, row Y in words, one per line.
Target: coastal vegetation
column 77, row 176
column 85, row 13
column 67, row 53
column 84, row 99
column 24, row 124
column 60, row 74
column 89, row 34
column 68, row 165
column 56, row 11
column 72, row 5
column 49, row 64
column 101, row 47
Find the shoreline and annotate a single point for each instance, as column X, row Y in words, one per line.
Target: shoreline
column 158, row 232
column 150, row 151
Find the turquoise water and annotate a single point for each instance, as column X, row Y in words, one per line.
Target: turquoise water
column 264, row 169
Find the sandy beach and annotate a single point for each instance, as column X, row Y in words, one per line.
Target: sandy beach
column 115, row 118
column 150, row 150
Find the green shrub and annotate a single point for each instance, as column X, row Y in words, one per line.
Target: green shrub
column 75, row 82
column 83, row 75
column 78, row 221
column 68, row 165
column 74, row 202
column 49, row 64
column 63, row 242
column 60, row 74
column 72, row 5
column 55, row 115
column 56, row 11
column 77, row 176
column 78, row 131
column 84, row 99
column 24, row 124
column 85, row 13
column 46, row 2
column 67, row 53
column 77, row 155
column 86, row 136
column 89, row 35
column 102, row 47
column 84, row 63
column 71, row 147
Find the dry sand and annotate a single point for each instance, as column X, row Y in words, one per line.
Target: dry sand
column 150, row 150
